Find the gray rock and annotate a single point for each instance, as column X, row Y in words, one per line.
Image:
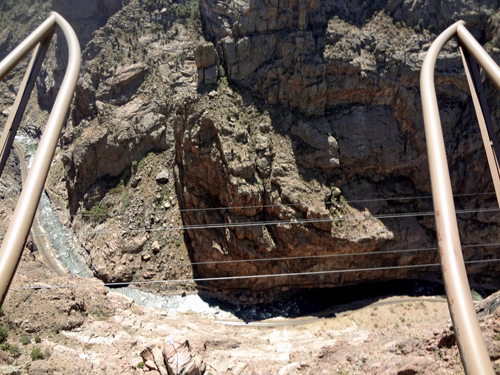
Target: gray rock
column 10, row 370
column 41, row 367
column 205, row 55
column 136, row 180
column 210, row 74
column 162, row 177
column 155, row 247
column 135, row 245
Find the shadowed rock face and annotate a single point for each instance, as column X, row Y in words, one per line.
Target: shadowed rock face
column 349, row 73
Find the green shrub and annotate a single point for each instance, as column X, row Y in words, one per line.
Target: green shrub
column 4, row 346
column 36, row 354
column 118, row 189
column 3, row 334
column 126, row 199
column 14, row 351
column 223, row 81
column 141, row 165
column 38, row 340
column 97, row 213
column 140, row 365
column 25, row 340
column 177, row 243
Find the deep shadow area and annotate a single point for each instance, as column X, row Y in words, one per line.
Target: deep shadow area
column 327, row 302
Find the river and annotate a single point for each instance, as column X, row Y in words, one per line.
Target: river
column 319, row 302
column 66, row 255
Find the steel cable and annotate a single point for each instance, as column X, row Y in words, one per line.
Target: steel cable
column 245, row 277
column 283, row 222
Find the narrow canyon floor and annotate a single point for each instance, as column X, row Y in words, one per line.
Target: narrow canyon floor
column 90, row 330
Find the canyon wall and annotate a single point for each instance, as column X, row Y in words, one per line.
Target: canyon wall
column 299, row 121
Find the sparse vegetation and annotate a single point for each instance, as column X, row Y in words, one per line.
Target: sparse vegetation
column 3, row 334
column 222, row 81
column 337, row 206
column 99, row 314
column 25, row 340
column 14, row 351
column 97, row 213
column 118, row 189
column 36, row 354
column 126, row 200
column 56, row 172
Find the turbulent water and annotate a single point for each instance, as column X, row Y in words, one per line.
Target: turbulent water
column 50, row 223
column 189, row 303
column 67, row 256
column 59, row 238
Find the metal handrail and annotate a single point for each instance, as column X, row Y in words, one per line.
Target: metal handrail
column 14, row 240
column 470, row 341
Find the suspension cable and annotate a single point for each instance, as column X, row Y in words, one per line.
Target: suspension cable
column 245, row 277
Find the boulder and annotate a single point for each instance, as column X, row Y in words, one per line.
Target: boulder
column 155, row 247
column 41, row 367
column 162, row 177
column 10, row 370
column 158, row 358
column 183, row 358
column 135, row 245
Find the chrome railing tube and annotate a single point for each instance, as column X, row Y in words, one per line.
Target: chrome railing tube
column 470, row 341
column 16, row 236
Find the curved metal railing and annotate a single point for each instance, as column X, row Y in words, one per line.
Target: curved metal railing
column 470, row 341
column 21, row 221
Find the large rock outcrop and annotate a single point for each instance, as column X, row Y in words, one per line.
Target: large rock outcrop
column 350, row 75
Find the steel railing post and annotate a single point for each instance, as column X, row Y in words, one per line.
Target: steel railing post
column 483, row 116
column 15, row 238
column 470, row 341
column 17, row 110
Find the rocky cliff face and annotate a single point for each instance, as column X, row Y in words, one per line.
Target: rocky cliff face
column 299, row 121
column 342, row 89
